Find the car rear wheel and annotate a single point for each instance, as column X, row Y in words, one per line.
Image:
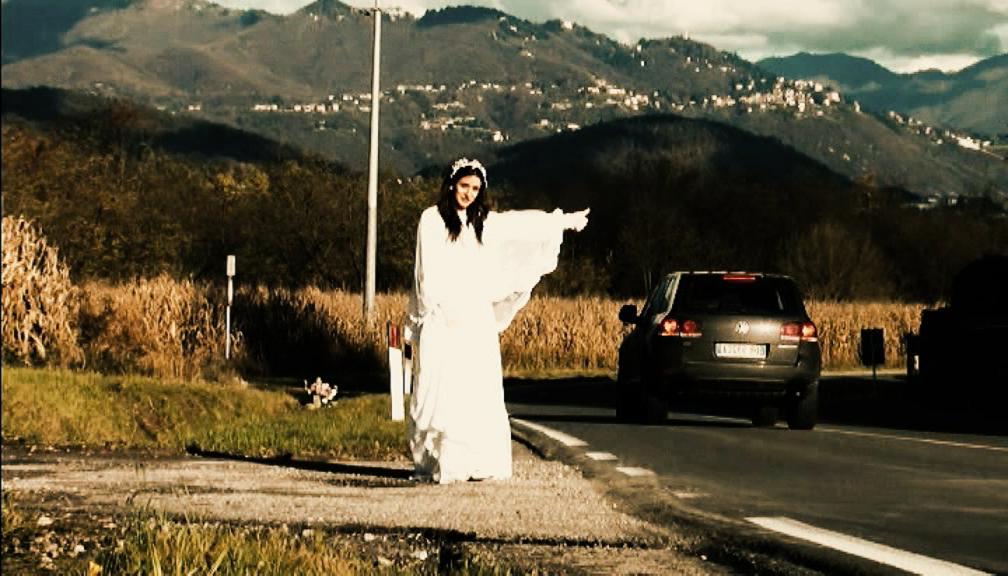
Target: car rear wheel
column 803, row 410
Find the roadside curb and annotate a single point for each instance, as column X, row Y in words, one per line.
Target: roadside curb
column 736, row 545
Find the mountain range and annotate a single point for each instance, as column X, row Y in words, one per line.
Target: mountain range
column 974, row 98
column 459, row 80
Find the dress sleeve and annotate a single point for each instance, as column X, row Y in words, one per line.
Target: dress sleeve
column 526, row 246
column 429, row 275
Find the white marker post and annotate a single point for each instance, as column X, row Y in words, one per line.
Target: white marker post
column 395, row 362
column 230, row 296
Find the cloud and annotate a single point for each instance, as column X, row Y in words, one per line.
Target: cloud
column 924, row 27
column 899, row 32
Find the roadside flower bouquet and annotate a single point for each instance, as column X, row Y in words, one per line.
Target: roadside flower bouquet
column 320, row 393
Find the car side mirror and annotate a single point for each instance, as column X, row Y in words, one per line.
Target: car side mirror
column 628, row 314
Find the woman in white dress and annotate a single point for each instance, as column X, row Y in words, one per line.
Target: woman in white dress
column 474, row 270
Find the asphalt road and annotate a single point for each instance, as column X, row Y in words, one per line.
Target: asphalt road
column 928, row 485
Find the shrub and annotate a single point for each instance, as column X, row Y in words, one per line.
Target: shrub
column 39, row 301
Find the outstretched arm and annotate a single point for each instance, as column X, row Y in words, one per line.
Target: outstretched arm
column 525, row 225
column 526, row 246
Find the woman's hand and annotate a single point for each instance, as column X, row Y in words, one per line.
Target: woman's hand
column 576, row 220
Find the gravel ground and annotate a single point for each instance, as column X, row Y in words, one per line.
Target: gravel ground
column 548, row 516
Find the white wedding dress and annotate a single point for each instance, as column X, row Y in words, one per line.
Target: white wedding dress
column 466, row 293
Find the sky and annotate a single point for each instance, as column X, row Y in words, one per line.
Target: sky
column 902, row 35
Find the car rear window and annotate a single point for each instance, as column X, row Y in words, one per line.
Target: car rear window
column 728, row 294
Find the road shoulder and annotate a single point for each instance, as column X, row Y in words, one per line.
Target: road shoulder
column 548, row 517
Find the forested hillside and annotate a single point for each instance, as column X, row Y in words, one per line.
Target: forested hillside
column 127, row 191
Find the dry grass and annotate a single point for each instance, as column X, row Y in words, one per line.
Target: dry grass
column 583, row 334
column 13, row 517
column 169, row 328
column 311, row 332
column 554, row 334
column 160, row 326
column 840, row 325
column 344, row 312
column 39, row 302
column 563, row 334
column 159, row 545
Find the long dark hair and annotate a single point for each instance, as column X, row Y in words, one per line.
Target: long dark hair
column 448, row 208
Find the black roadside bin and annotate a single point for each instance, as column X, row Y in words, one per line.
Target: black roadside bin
column 872, row 348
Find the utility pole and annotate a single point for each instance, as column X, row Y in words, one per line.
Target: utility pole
column 372, row 201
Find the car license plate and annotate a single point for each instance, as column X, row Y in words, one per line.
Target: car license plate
column 734, row 350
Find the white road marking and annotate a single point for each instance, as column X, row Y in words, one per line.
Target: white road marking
column 601, row 456
column 565, row 439
column 909, row 561
column 912, row 439
column 709, row 418
column 634, row 471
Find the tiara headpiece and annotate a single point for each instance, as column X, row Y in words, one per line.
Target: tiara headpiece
column 467, row 163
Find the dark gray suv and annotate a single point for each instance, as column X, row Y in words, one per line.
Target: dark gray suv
column 738, row 336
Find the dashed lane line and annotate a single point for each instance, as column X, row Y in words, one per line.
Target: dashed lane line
column 908, row 561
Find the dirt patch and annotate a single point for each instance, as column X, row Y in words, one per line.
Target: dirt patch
column 547, row 517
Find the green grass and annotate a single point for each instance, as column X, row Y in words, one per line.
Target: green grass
column 155, row 544
column 149, row 542
column 161, row 546
column 64, row 408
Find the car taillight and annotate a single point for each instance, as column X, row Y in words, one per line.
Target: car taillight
column 682, row 328
column 798, row 332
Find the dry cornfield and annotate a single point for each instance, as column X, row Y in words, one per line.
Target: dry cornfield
column 170, row 328
column 553, row 333
column 344, row 310
column 159, row 326
column 550, row 333
column 39, row 301
column 583, row 333
column 840, row 325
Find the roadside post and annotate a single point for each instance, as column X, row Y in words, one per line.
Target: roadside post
column 230, row 297
column 395, row 362
column 872, row 349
